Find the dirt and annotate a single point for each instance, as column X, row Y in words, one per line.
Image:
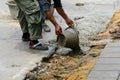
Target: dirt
column 75, row 67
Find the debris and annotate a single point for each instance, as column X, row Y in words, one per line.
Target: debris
column 79, row 4
column 52, row 51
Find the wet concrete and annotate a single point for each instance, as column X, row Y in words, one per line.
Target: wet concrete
column 3, row 4
column 15, row 56
column 16, row 59
column 4, row 10
column 96, row 15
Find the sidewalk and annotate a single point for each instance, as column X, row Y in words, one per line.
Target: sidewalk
column 108, row 65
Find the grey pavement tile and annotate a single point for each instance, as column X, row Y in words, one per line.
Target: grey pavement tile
column 111, row 50
column 106, row 67
column 103, row 74
column 108, row 53
column 91, row 78
column 108, row 61
column 117, row 44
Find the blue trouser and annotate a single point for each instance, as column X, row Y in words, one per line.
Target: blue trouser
column 44, row 5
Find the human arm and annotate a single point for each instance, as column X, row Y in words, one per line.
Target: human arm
column 50, row 16
column 46, row 8
column 68, row 21
column 61, row 12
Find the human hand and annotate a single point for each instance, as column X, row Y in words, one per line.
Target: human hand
column 58, row 30
column 70, row 23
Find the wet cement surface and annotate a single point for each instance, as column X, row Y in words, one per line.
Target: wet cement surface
column 16, row 59
column 15, row 56
column 4, row 10
column 3, row 4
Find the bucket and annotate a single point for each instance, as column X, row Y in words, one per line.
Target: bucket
column 13, row 9
column 69, row 39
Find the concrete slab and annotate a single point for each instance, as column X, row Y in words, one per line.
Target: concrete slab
column 108, row 61
column 112, row 55
column 111, row 52
column 101, row 78
column 116, row 44
column 106, row 67
column 103, row 74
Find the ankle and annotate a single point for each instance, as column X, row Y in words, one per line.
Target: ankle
column 33, row 42
column 26, row 33
column 26, row 36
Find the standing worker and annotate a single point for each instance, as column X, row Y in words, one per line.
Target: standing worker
column 30, row 19
column 57, row 4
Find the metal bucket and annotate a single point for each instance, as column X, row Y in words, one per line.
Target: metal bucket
column 69, row 39
column 13, row 9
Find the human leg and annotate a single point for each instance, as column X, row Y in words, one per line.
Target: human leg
column 35, row 34
column 30, row 21
column 24, row 25
column 46, row 27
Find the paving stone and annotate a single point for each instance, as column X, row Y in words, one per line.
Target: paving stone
column 108, row 64
column 103, row 74
column 106, row 67
column 91, row 78
column 111, row 52
column 110, row 61
column 110, row 55
column 117, row 44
